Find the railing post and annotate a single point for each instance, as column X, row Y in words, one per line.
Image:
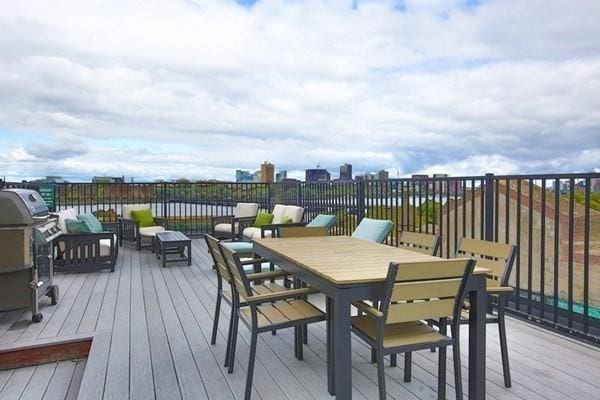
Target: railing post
column 489, row 207
column 164, row 202
column 360, row 200
column 269, row 196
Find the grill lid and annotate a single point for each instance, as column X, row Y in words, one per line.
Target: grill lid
column 20, row 206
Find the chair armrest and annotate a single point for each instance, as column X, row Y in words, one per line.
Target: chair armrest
column 253, row 261
column 372, row 311
column 244, row 222
column 111, row 226
column 274, row 227
column 222, row 218
column 161, row 221
column 288, row 294
column 499, row 290
column 266, row 275
column 85, row 237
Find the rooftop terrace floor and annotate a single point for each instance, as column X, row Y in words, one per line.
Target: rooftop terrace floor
column 157, row 322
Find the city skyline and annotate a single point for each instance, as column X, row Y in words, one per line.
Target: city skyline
column 460, row 86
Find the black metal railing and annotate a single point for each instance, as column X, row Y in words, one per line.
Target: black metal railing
column 553, row 219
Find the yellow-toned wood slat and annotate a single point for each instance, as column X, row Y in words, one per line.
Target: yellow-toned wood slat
column 404, row 312
column 301, row 231
column 425, row 290
column 305, row 308
column 439, row 269
column 424, row 240
column 288, row 310
column 422, row 250
column 246, row 313
column 272, row 314
column 482, row 247
column 496, row 267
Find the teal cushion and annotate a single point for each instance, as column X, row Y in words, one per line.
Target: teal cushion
column 373, row 230
column 76, row 226
column 238, row 247
column 93, row 224
column 322, row 221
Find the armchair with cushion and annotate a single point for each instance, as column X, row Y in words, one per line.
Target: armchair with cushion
column 228, row 226
column 137, row 223
column 86, row 244
column 282, row 216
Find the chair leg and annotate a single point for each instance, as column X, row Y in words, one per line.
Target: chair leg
column 229, row 336
column 305, row 334
column 300, row 343
column 407, row 366
column 381, row 375
column 393, row 360
column 504, row 346
column 373, row 356
column 234, row 334
column 442, row 374
column 213, row 338
column 250, row 371
column 457, row 366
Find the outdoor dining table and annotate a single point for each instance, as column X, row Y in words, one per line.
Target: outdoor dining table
column 346, row 269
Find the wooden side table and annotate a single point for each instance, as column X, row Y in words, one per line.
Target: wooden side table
column 171, row 242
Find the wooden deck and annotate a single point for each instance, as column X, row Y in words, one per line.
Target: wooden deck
column 158, row 322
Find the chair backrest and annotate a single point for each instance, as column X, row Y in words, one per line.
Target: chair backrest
column 420, row 242
column 322, row 220
column 239, row 281
column 301, row 231
column 498, row 257
column 374, row 230
column 425, row 290
column 281, row 211
column 128, row 208
column 215, row 251
column 244, row 210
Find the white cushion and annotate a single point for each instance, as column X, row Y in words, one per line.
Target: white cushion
column 243, row 210
column 150, row 231
column 127, row 209
column 226, row 228
column 294, row 212
column 251, row 233
column 278, row 212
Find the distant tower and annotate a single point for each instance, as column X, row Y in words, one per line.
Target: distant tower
column 346, row 172
column 267, row 172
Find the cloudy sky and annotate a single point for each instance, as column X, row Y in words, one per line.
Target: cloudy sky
column 198, row 88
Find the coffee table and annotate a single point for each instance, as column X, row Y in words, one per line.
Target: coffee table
column 171, row 242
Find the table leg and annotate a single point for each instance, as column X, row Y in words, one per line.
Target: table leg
column 477, row 330
column 330, row 360
column 342, row 348
column 189, row 248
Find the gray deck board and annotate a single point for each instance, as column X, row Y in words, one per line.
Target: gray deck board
column 157, row 324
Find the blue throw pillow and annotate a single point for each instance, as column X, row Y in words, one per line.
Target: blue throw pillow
column 92, row 222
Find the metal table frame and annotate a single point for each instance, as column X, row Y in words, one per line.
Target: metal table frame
column 168, row 246
column 339, row 348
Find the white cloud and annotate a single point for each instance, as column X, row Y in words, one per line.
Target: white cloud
column 207, row 87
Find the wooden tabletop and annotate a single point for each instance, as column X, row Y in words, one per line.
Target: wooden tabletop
column 341, row 259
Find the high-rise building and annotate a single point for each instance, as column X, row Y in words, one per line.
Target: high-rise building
column 280, row 176
column 383, row 174
column 317, row 175
column 243, row 176
column 267, row 172
column 346, row 172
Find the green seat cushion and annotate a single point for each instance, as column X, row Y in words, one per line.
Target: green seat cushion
column 93, row 224
column 322, row 221
column 76, row 226
column 262, row 218
column 238, row 247
column 143, row 217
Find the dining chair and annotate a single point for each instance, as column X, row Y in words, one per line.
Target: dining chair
column 423, row 243
column 373, row 230
column 499, row 259
column 415, row 292
column 225, row 293
column 265, row 313
column 420, row 242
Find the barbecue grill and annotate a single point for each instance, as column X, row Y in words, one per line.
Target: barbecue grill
column 26, row 233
